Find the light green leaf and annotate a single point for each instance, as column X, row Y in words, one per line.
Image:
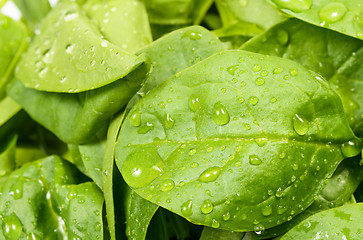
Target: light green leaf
column 336, row 57
column 235, row 114
column 70, row 55
column 344, row 16
column 33, row 11
column 12, row 43
column 122, row 22
column 337, row 223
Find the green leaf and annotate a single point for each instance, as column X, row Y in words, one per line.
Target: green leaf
column 41, row 201
column 7, row 158
column 235, row 114
column 76, row 118
column 335, row 56
column 336, row 193
column 33, row 11
column 114, row 22
column 12, row 43
column 70, row 55
column 338, row 223
column 220, row 234
column 344, row 16
column 258, row 12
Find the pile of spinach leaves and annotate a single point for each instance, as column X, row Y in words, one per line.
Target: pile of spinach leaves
column 187, row 119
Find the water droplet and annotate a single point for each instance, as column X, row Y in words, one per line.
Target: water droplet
column 294, row 5
column 301, row 125
column 187, row 208
column 98, row 226
column 194, row 165
column 215, row 223
column 169, row 121
column 282, row 36
column 260, row 81
column 206, row 207
column 81, row 201
column 145, row 128
column 351, row 148
column 332, row 12
column 261, row 141
column 105, row 43
column 70, row 16
column 220, row 114
column 281, row 210
column 194, row 104
column 273, row 100
column 279, row 192
column 192, row 152
column 243, row 84
column 17, row 189
column 12, row 227
column 256, row 68
column 226, row 216
column 293, row 72
column 193, row 35
column 167, row 185
column 259, row 229
column 70, row 48
column 72, row 194
column 277, row 70
column 210, row 149
column 135, row 119
column 253, row 100
column 266, row 210
column 142, row 167
column 232, row 69
column 255, row 160
column 210, row 174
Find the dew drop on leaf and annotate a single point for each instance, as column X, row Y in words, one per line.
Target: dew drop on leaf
column 260, row 81
column 253, row 100
column 215, row 223
column 220, row 114
column 141, row 168
column 167, row 185
column 12, row 226
column 169, row 121
column 351, row 148
column 194, row 104
column 255, row 160
column 187, row 208
column 135, row 119
column 232, row 69
column 332, row 12
column 266, row 210
column 210, row 174
column 206, row 207
column 301, row 125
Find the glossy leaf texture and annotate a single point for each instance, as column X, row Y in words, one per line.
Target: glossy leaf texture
column 258, row 12
column 12, row 43
column 134, row 32
column 236, row 119
column 70, row 55
column 76, row 118
column 336, row 193
column 338, row 223
column 344, row 16
column 41, row 201
column 335, row 56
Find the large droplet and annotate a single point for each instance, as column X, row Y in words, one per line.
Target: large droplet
column 187, row 208
column 301, row 124
column 351, row 148
column 193, row 35
column 142, row 167
column 167, row 185
column 220, row 114
column 17, row 189
column 194, row 103
column 294, row 5
column 210, row 174
column 332, row 12
column 135, row 119
column 12, row 227
column 232, row 69
column 169, row 121
column 253, row 100
column 206, row 207
column 266, row 210
column 261, row 141
column 255, row 160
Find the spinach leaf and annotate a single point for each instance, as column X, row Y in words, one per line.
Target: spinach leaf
column 122, row 22
column 258, row 12
column 76, row 118
column 338, row 223
column 33, row 11
column 7, row 158
column 12, row 42
column 344, row 16
column 336, row 193
column 70, row 55
column 41, row 201
column 335, row 56
column 235, row 114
